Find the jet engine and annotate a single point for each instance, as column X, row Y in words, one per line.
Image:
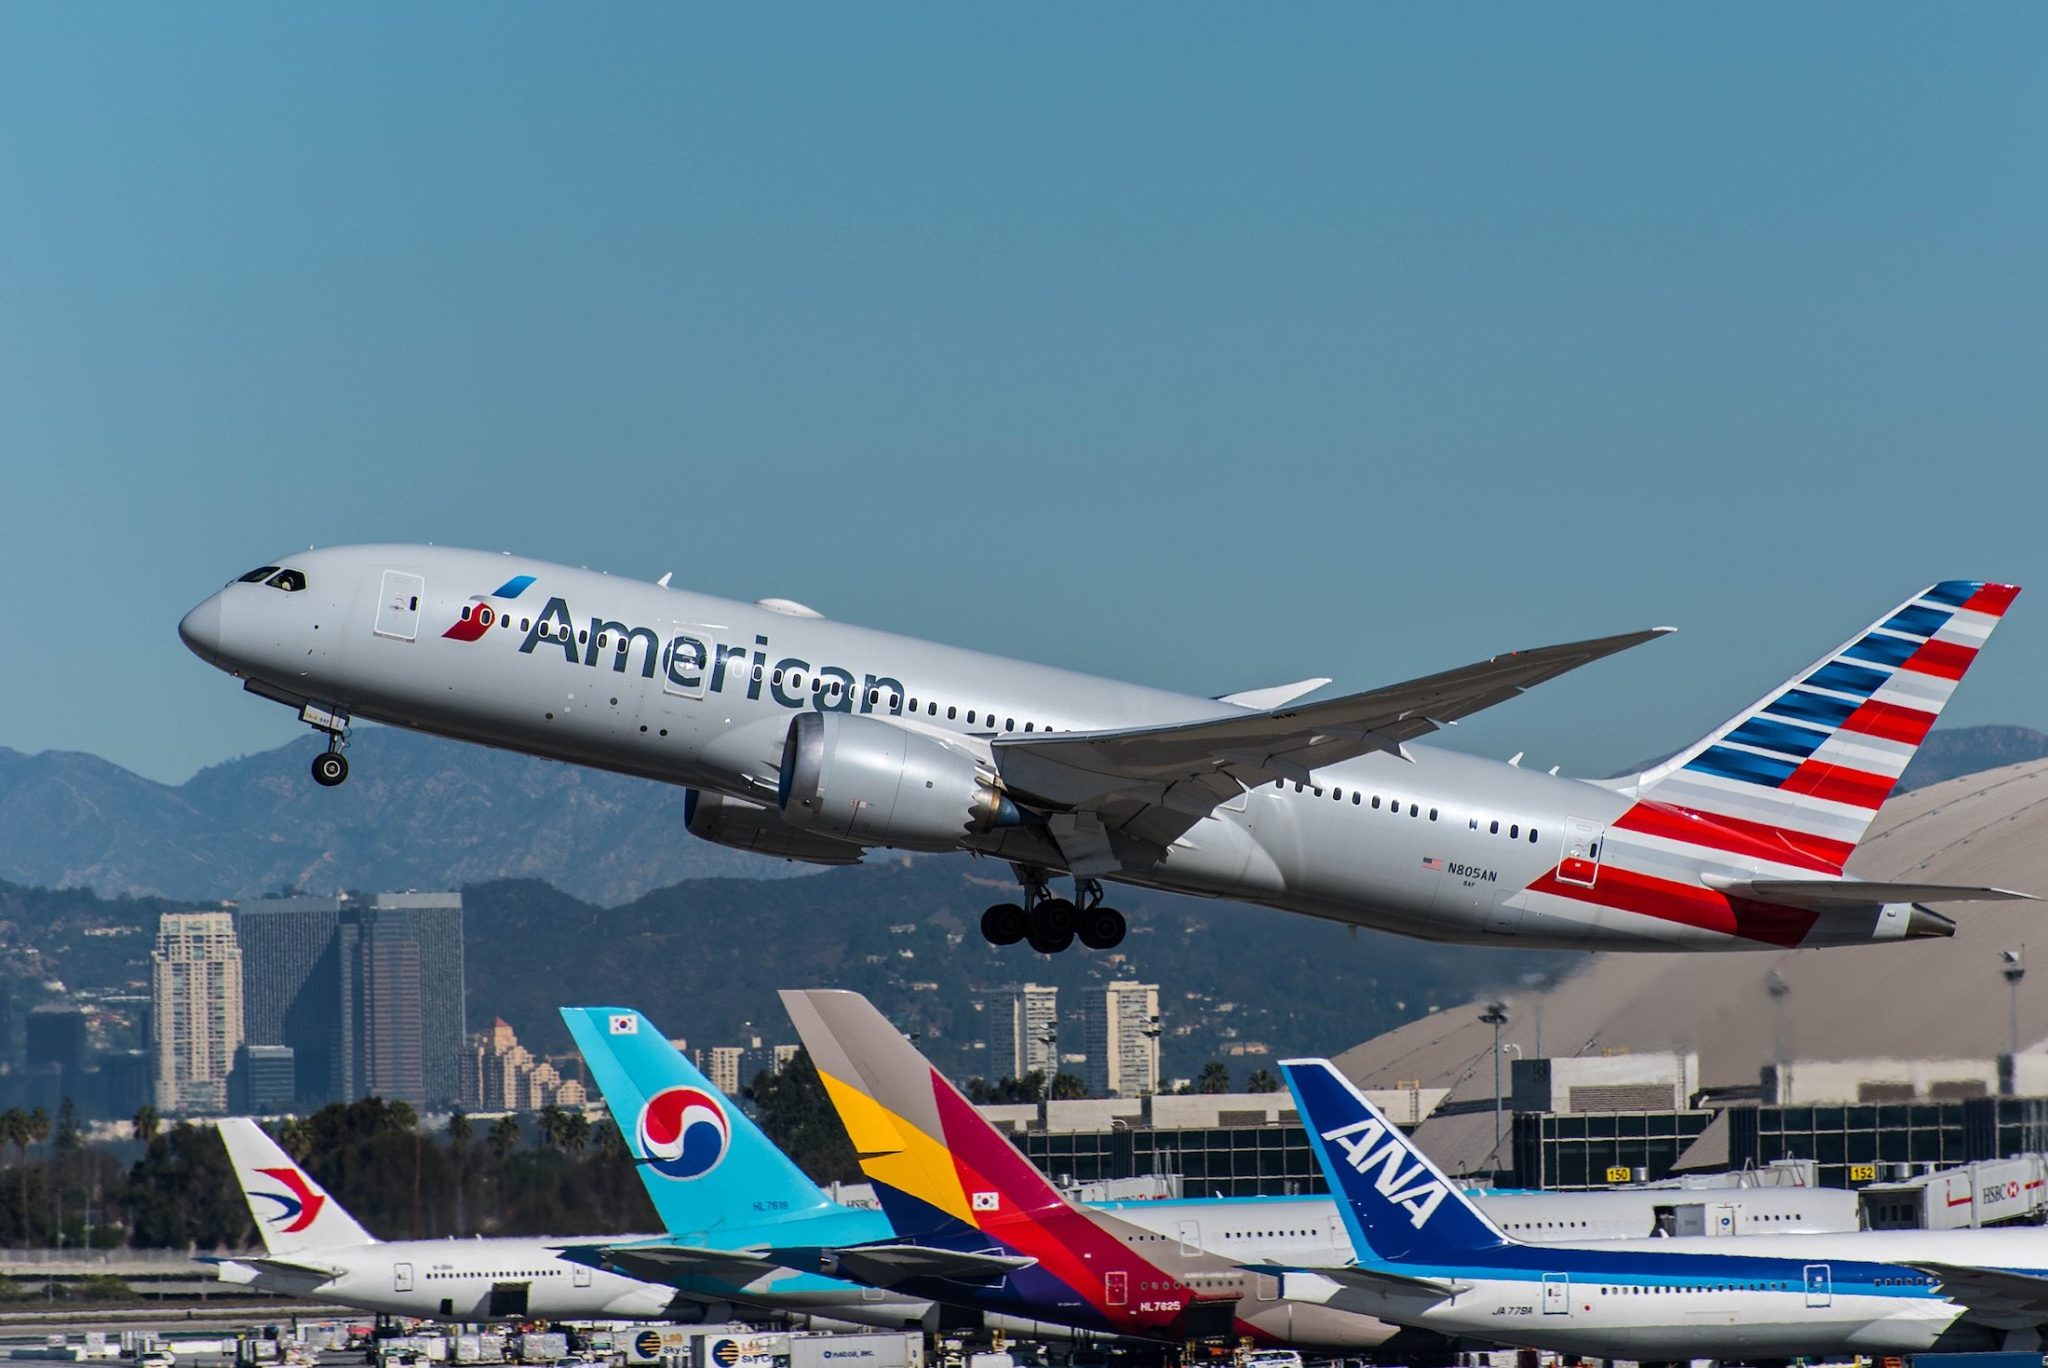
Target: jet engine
column 735, row 822
column 869, row 780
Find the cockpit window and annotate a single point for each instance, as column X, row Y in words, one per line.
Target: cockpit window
column 258, row 575
column 291, row 581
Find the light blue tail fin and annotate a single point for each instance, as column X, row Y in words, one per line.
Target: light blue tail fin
column 1397, row 1205
column 707, row 1167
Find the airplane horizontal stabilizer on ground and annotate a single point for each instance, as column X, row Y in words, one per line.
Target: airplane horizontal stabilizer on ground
column 1826, row 893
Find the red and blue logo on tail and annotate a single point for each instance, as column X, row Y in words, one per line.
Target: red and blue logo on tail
column 684, row 1133
column 300, row 1207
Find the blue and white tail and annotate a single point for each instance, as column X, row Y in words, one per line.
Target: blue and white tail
column 1397, row 1205
column 294, row 1214
column 707, row 1166
column 1804, row 769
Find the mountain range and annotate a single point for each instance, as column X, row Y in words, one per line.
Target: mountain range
column 422, row 812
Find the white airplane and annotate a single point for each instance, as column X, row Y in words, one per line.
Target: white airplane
column 1428, row 1258
column 313, row 1249
column 813, row 740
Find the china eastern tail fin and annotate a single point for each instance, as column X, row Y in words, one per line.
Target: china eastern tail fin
column 293, row 1214
column 1397, row 1205
column 1798, row 775
column 939, row 1168
column 708, row 1169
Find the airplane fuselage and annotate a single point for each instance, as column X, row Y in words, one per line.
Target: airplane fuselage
column 699, row 691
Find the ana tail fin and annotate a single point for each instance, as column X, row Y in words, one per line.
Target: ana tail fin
column 680, row 1129
column 938, row 1167
column 293, row 1213
column 1804, row 769
column 1397, row 1205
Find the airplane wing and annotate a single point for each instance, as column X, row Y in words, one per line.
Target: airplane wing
column 1826, row 893
column 888, row 1265
column 1192, row 766
column 1995, row 1296
column 662, row 1262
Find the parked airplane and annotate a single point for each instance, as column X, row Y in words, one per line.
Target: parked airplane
column 923, row 1147
column 814, row 741
column 313, row 1249
column 1427, row 1257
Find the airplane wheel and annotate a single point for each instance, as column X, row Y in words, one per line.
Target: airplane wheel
column 1102, row 929
column 329, row 768
column 1003, row 924
column 1055, row 916
column 1050, row 942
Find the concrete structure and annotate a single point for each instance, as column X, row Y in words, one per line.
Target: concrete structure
column 1023, row 1030
column 1881, row 1080
column 723, row 1068
column 195, row 1010
column 264, row 1081
column 55, row 1038
column 291, row 988
column 500, row 1074
column 1661, row 1080
column 1121, row 1039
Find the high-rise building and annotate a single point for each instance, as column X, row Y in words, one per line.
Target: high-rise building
column 195, row 1009
column 724, row 1068
column 291, row 988
column 402, row 998
column 1122, row 1034
column 265, row 1080
column 500, row 1074
column 56, row 1038
column 1023, row 1030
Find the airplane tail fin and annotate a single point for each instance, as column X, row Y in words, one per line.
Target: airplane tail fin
column 938, row 1167
column 1798, row 775
column 1397, row 1205
column 680, row 1130
column 293, row 1213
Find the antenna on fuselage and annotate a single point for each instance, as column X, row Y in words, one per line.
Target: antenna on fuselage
column 666, row 575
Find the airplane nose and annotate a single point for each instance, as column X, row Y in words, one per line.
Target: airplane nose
column 200, row 629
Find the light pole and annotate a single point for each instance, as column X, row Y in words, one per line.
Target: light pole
column 1496, row 1016
column 2015, row 969
column 1775, row 985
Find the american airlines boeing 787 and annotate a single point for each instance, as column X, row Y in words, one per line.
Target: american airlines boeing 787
column 815, row 740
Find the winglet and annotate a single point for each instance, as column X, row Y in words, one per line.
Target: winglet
column 1276, row 696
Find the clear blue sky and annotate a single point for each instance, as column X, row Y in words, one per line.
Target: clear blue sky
column 1211, row 346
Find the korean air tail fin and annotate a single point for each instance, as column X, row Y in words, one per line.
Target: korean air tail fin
column 939, row 1168
column 293, row 1214
column 1397, row 1205
column 1797, row 776
column 707, row 1167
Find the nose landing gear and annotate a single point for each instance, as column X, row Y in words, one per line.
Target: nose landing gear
column 330, row 767
column 1051, row 924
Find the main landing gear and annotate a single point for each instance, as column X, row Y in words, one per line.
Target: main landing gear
column 1052, row 924
column 330, row 767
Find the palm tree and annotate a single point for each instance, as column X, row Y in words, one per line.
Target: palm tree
column 1261, row 1081
column 552, row 1121
column 504, row 1136
column 147, row 1123
column 575, row 1131
column 459, row 1130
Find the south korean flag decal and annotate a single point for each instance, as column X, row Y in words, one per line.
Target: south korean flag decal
column 625, row 1023
column 988, row 1201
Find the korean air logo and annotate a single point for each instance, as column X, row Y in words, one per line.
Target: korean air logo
column 299, row 1206
column 684, row 1133
column 479, row 616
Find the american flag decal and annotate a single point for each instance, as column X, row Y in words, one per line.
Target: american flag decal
column 1432, row 862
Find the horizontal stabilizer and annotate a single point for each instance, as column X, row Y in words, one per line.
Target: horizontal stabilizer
column 1386, row 1280
column 289, row 1268
column 1826, row 893
column 889, row 1265
column 654, row 1262
column 1278, row 696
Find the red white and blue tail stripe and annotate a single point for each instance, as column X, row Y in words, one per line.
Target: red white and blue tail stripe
column 1798, row 775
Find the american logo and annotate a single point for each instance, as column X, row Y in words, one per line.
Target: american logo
column 479, row 617
column 300, row 1207
column 684, row 1133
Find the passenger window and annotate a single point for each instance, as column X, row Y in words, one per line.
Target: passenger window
column 1515, row 831
column 525, row 624
column 874, row 697
column 600, row 641
column 932, row 709
column 1432, row 814
column 896, row 701
column 1027, row 726
column 1415, row 809
column 913, row 705
column 1319, row 793
column 1532, row 835
column 776, row 678
column 1009, row 724
column 951, row 712
column 1493, row 829
column 1354, row 797
column 583, row 636
column 1337, row 794
column 757, row 668
column 1375, row 802
column 970, row 717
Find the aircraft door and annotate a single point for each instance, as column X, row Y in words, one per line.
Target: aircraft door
column 1116, row 1288
column 1580, row 863
column 398, row 605
column 508, row 1300
column 401, row 1277
column 1557, row 1294
column 686, row 660
column 1190, row 1237
column 1820, row 1285
column 1266, row 1287
column 580, row 1276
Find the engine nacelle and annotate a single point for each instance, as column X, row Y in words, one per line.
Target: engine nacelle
column 869, row 780
column 743, row 825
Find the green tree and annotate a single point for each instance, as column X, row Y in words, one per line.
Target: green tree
column 791, row 1105
column 504, row 1137
column 1261, row 1081
column 1214, row 1078
column 146, row 1123
column 1066, row 1087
